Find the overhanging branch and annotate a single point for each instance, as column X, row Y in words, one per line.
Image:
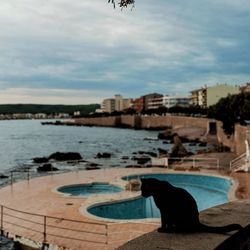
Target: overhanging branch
column 123, row 3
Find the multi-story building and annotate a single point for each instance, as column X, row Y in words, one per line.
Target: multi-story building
column 118, row 103
column 138, row 104
column 172, row 101
column 108, row 105
column 245, row 88
column 208, row 96
column 152, row 100
column 155, row 102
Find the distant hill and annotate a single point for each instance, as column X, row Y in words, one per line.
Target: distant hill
column 48, row 109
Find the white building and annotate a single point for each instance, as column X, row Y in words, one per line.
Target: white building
column 172, row 101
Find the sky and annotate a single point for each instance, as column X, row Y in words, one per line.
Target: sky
column 82, row 51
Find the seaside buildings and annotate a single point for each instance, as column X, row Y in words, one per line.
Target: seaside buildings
column 172, row 101
column 207, row 96
column 118, row 103
column 168, row 101
column 203, row 97
column 152, row 101
column 245, row 88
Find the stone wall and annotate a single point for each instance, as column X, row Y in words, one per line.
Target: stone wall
column 235, row 142
column 172, row 121
column 241, row 134
column 100, row 121
column 128, row 121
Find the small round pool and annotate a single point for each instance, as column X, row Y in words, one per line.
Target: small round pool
column 89, row 189
column 208, row 191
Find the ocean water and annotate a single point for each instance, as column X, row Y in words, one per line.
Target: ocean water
column 22, row 140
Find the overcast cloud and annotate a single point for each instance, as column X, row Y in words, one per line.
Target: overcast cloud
column 74, row 52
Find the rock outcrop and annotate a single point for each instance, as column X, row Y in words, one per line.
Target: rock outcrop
column 68, row 156
column 103, row 155
column 178, row 149
column 40, row 160
column 47, row 168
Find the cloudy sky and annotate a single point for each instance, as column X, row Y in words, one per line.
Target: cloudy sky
column 81, row 51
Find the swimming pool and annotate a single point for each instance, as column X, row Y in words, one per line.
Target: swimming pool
column 89, row 189
column 208, row 191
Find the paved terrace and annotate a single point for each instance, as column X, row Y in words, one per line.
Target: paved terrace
column 64, row 221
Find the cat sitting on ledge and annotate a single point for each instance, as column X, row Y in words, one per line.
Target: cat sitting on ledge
column 178, row 209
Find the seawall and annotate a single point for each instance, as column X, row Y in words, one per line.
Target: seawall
column 235, row 142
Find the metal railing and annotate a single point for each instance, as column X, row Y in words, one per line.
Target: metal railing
column 50, row 230
column 238, row 162
column 194, row 162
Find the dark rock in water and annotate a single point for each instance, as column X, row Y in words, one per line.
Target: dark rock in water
column 162, row 151
column 165, row 142
column 80, row 142
column 147, row 153
column 153, row 154
column 125, row 158
column 165, row 135
column 202, row 144
column 40, row 160
column 103, row 155
column 178, row 149
column 92, row 168
column 192, row 144
column 2, row 176
column 68, row 156
column 141, row 159
column 92, row 164
column 150, row 139
column 47, row 168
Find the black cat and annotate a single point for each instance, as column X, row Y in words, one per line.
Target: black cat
column 179, row 212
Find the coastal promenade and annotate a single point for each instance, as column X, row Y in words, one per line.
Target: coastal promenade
column 51, row 217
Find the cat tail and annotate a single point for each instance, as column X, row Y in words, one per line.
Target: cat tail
column 223, row 229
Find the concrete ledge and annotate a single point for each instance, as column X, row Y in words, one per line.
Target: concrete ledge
column 234, row 212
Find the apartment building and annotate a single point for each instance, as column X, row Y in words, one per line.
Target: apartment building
column 245, row 88
column 118, row 103
column 172, row 101
column 155, row 102
column 207, row 96
column 138, row 104
column 152, row 101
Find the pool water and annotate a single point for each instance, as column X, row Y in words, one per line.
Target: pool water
column 208, row 191
column 89, row 189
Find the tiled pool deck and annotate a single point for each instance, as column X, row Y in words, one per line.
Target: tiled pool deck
column 67, row 223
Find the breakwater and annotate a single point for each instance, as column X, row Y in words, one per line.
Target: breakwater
column 235, row 142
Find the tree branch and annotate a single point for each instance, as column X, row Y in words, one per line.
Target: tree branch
column 123, row 3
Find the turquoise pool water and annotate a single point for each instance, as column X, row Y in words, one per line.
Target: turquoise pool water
column 208, row 191
column 89, row 189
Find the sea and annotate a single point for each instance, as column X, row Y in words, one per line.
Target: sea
column 23, row 140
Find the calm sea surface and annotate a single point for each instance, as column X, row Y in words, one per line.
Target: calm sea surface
column 22, row 140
